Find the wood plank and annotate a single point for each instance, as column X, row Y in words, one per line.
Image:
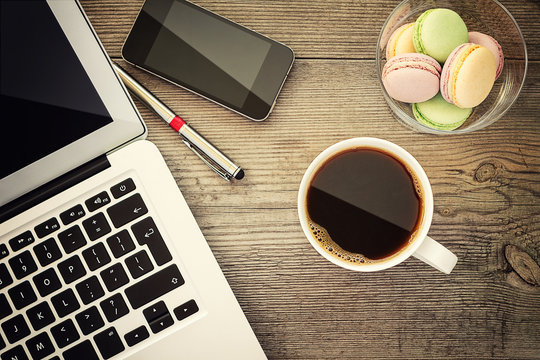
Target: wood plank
column 486, row 196
column 314, row 29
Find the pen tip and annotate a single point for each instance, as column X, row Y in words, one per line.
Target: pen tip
column 239, row 175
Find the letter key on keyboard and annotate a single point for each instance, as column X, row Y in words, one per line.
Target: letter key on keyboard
column 40, row 346
column 40, row 315
column 22, row 295
column 15, row 329
column 71, row 269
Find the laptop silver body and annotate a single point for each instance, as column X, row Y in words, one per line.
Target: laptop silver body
column 139, row 253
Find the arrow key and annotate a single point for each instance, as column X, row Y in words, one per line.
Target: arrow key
column 161, row 323
column 136, row 336
column 186, row 309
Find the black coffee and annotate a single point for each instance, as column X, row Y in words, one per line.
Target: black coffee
column 364, row 205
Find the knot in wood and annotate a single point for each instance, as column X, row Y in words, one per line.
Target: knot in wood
column 485, row 172
column 523, row 264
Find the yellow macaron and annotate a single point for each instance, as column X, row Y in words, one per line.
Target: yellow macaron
column 401, row 41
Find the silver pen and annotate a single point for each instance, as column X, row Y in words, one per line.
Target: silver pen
column 211, row 156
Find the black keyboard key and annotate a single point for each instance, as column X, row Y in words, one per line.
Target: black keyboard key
column 155, row 311
column 82, row 351
column 17, row 353
column 47, row 252
column 158, row 317
column 65, row 333
column 22, row 264
column 154, row 286
column 47, row 227
column 127, row 210
column 120, row 244
column 123, row 188
column 47, row 282
column 109, row 343
column 2, row 343
column 22, row 295
column 147, row 233
column 3, row 251
column 15, row 329
column 89, row 320
column 40, row 346
column 114, row 277
column 71, row 269
column 114, row 307
column 139, row 264
column 40, row 316
column 89, row 290
column 72, row 214
column 96, row 226
column 96, row 256
column 5, row 308
column 161, row 323
column 186, row 309
column 97, row 201
column 18, row 242
column 72, row 239
column 65, row 303
column 136, row 336
column 5, row 277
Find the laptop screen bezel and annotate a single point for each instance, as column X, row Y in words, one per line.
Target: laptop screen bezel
column 126, row 126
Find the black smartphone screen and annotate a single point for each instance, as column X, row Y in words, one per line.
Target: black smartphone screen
column 209, row 55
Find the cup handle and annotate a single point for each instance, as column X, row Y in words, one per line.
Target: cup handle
column 436, row 255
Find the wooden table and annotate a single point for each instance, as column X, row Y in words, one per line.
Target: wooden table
column 486, row 187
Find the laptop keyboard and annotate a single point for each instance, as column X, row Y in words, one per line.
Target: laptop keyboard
column 67, row 283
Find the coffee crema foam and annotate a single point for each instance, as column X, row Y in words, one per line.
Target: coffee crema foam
column 320, row 234
column 325, row 241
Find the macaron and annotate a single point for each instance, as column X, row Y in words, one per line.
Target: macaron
column 411, row 78
column 400, row 41
column 468, row 75
column 438, row 114
column 437, row 32
column 487, row 41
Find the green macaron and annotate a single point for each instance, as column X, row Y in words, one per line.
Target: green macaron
column 439, row 31
column 439, row 114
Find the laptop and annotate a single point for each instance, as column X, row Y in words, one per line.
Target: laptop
column 100, row 256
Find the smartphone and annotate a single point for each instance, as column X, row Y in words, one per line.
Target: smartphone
column 209, row 55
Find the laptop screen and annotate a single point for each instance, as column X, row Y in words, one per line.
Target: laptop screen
column 47, row 98
column 62, row 104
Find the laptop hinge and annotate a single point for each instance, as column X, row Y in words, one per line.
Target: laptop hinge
column 53, row 187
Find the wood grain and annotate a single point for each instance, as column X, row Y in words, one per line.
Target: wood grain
column 486, row 188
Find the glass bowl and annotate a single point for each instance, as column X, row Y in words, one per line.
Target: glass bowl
column 486, row 16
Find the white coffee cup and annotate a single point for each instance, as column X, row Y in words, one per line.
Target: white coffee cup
column 421, row 246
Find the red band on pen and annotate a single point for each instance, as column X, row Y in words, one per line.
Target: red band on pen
column 177, row 122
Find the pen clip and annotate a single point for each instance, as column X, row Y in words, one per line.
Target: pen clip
column 211, row 164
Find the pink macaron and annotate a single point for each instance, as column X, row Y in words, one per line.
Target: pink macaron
column 493, row 46
column 411, row 78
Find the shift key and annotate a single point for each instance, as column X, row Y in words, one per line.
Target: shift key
column 154, row 286
column 147, row 233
